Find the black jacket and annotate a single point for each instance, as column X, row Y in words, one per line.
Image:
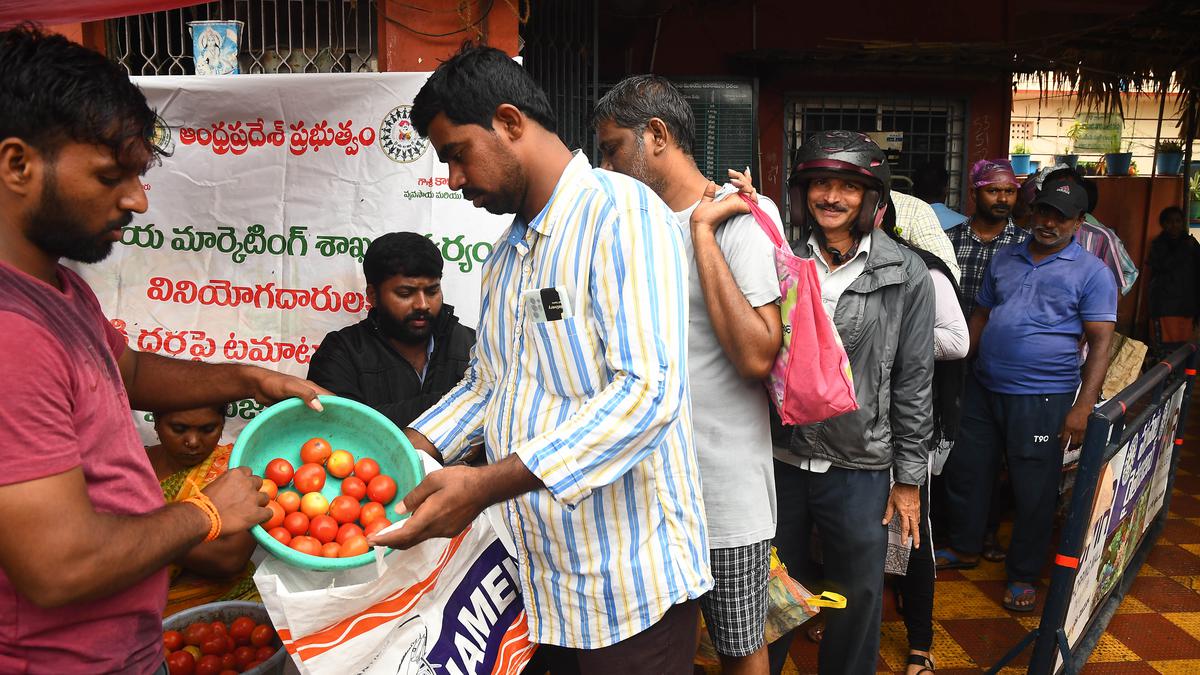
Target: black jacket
column 1174, row 276
column 357, row 362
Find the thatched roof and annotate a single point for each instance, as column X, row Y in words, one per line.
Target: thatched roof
column 1130, row 50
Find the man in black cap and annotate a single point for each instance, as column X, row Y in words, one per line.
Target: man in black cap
column 1037, row 300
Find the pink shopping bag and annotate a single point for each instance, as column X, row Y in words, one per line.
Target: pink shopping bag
column 810, row 381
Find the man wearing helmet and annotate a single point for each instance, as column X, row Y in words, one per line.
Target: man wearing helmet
column 837, row 475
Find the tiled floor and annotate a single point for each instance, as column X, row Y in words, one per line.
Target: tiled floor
column 1156, row 629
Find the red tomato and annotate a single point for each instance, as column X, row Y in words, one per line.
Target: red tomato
column 344, row 509
column 381, row 489
column 323, row 528
column 340, row 464
column 280, row 471
column 264, row 653
column 252, row 665
column 268, row 486
column 219, row 627
column 331, row 550
column 353, row 486
column 230, row 645
column 304, row 545
column 240, row 629
column 290, row 501
column 376, row 525
column 181, row 663
column 209, row 665
column 354, row 546
column 281, row 535
column 366, row 469
column 229, row 662
column 296, row 523
column 315, row 450
column 172, row 640
column 346, row 531
column 371, row 511
column 197, row 633
column 262, row 635
column 277, row 515
column 309, row 478
column 213, row 645
column 245, row 655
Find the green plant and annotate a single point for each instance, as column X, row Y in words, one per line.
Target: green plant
column 1169, row 146
column 1020, row 149
column 1194, row 187
column 1113, row 145
column 1073, row 135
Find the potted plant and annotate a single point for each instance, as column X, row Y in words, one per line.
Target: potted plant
column 1070, row 159
column 1020, row 159
column 1194, row 197
column 1116, row 162
column 1168, row 158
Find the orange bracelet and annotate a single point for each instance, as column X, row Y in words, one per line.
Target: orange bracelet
column 202, row 502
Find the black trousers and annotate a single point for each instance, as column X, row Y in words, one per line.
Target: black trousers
column 846, row 509
column 1025, row 429
column 916, row 587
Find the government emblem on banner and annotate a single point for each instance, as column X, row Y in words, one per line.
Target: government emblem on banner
column 161, row 137
column 399, row 138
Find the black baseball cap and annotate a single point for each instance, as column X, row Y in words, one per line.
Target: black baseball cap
column 1064, row 195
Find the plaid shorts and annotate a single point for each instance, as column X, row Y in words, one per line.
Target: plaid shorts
column 735, row 610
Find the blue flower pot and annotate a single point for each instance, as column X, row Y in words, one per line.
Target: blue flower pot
column 1070, row 160
column 1117, row 163
column 1020, row 164
column 1168, row 163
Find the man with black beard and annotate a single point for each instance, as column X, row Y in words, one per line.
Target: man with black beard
column 87, row 535
column 411, row 349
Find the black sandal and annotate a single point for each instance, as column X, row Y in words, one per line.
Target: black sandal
column 924, row 661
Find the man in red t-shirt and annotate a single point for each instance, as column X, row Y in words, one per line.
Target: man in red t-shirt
column 85, row 534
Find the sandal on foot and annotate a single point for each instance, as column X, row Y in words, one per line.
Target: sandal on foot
column 1020, row 597
column 921, row 660
column 992, row 550
column 949, row 559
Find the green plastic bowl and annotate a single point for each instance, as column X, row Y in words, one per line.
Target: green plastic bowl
column 281, row 429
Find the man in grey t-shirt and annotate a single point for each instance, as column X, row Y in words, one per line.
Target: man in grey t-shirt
column 646, row 129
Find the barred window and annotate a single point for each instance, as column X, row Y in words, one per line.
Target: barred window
column 278, row 36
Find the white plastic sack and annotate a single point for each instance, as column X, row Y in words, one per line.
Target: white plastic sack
column 444, row 607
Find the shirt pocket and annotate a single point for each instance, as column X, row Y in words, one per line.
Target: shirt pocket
column 565, row 363
column 1049, row 304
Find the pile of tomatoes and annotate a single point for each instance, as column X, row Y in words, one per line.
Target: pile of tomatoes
column 218, row 648
column 308, row 522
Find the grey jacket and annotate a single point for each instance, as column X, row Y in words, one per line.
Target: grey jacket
column 885, row 319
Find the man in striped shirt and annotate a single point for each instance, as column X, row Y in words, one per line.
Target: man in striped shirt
column 578, row 386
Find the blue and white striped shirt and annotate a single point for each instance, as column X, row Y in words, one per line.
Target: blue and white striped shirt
column 595, row 404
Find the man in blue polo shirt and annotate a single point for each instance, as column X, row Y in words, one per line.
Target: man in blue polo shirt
column 1037, row 300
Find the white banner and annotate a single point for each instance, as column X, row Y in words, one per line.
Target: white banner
column 251, row 250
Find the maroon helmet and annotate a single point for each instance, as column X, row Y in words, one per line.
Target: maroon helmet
column 848, row 155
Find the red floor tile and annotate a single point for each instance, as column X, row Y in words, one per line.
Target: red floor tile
column 1178, row 531
column 1122, row 668
column 1163, row 594
column 987, row 640
column 1173, row 561
column 1152, row 637
column 1184, row 505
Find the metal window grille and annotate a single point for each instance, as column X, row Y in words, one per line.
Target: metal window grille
column 560, row 43
column 933, row 129
column 279, row 36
